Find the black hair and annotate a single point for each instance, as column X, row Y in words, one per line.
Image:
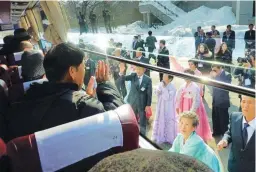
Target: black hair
column 151, row 161
column 229, row 26
column 217, row 66
column 119, row 45
column 189, row 71
column 150, row 32
column 170, row 77
column 162, row 42
column 206, row 49
column 199, row 27
column 59, row 58
column 214, row 26
column 7, row 39
column 193, row 61
column 251, row 25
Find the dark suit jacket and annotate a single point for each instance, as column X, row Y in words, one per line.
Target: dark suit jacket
column 231, row 41
column 249, row 36
column 163, row 58
column 221, row 97
column 136, row 45
column 140, row 96
column 240, row 160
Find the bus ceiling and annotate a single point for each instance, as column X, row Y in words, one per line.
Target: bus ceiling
column 11, row 12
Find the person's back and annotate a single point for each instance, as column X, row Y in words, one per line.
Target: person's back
column 150, row 41
column 60, row 100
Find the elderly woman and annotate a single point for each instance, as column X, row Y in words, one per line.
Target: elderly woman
column 189, row 143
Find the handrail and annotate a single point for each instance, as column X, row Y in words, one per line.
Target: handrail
column 202, row 80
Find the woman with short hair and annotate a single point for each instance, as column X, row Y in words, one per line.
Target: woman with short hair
column 189, row 143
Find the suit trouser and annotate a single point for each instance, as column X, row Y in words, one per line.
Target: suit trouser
column 141, row 114
column 220, row 120
column 161, row 74
column 94, row 28
column 150, row 50
column 108, row 27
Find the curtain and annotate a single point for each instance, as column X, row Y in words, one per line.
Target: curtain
column 32, row 21
column 54, row 14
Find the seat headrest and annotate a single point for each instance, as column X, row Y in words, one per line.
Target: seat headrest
column 4, row 86
column 26, row 85
column 64, row 145
column 2, row 148
column 17, row 56
column 20, row 71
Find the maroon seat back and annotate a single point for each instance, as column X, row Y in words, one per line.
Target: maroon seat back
column 15, row 92
column 2, row 148
column 24, row 153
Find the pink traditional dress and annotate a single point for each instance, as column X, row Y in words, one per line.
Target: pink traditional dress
column 188, row 99
column 179, row 68
column 165, row 123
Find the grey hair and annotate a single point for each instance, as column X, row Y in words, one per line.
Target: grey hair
column 190, row 115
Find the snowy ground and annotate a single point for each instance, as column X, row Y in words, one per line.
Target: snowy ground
column 178, row 34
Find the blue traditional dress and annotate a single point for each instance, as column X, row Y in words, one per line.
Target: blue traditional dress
column 196, row 147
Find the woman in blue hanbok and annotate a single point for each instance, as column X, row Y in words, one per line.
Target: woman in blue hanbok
column 189, row 143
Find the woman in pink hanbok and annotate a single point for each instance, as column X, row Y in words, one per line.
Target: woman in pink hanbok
column 165, row 123
column 193, row 66
column 188, row 99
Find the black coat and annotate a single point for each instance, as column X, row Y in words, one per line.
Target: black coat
column 221, row 97
column 240, row 158
column 249, row 36
column 140, row 96
column 50, row 104
column 225, row 57
column 163, row 60
column 210, row 42
column 231, row 40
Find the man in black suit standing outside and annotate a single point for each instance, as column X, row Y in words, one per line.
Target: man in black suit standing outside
column 140, row 96
column 220, row 101
column 249, row 38
column 163, row 58
column 90, row 68
column 241, row 133
column 135, row 44
column 142, row 59
column 229, row 37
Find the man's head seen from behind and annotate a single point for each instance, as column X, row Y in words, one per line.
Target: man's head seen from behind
column 64, row 63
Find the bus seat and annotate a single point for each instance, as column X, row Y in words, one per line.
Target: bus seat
column 26, row 85
column 4, row 74
column 19, row 70
column 63, row 147
column 2, row 148
column 17, row 57
column 3, row 59
column 14, row 74
column 17, row 91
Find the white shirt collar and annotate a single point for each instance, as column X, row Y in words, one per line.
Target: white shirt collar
column 139, row 57
column 252, row 123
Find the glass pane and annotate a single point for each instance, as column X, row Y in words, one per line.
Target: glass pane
column 189, row 47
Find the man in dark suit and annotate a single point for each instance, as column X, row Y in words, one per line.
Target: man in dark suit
column 249, row 37
column 163, row 58
column 220, row 102
column 241, row 133
column 210, row 42
column 140, row 95
column 90, row 68
column 135, row 45
column 142, row 59
column 229, row 36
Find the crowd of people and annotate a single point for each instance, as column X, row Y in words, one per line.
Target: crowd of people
column 68, row 85
column 93, row 18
